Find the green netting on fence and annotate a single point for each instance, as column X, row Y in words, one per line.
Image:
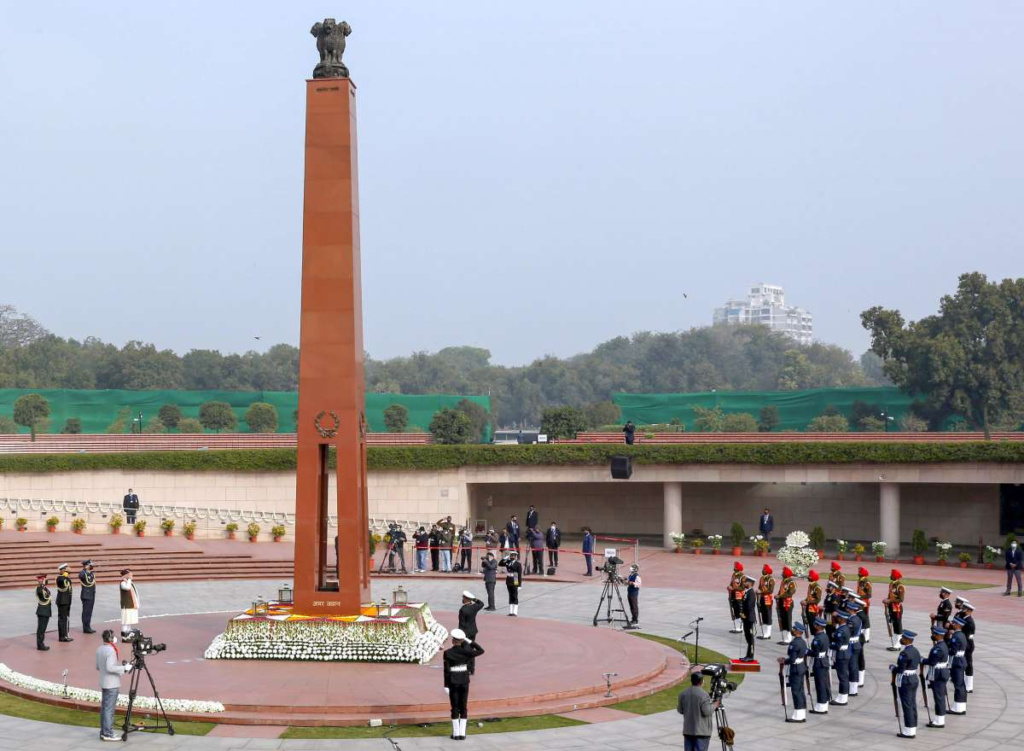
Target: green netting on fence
column 796, row 408
column 98, row 409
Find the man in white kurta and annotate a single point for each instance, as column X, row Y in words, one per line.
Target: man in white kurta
column 129, row 602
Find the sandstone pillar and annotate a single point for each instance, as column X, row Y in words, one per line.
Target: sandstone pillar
column 889, row 518
column 672, row 513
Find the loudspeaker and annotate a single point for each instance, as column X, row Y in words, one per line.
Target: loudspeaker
column 622, row 467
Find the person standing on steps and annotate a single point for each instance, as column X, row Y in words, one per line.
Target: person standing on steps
column 513, row 580
column 130, row 506
column 1014, row 561
column 87, row 595
column 457, row 660
column 765, row 593
column 65, row 596
column 490, row 571
column 44, row 611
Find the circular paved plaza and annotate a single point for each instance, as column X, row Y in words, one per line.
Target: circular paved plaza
column 677, row 590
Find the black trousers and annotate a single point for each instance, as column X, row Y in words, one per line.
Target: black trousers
column 87, row 606
column 538, row 561
column 748, row 636
column 861, row 665
column 785, row 618
column 63, row 618
column 822, row 687
column 897, row 620
column 458, row 697
column 129, row 515
column 908, row 700
column 634, row 607
column 466, row 559
column 865, row 619
column 513, row 592
column 734, row 607
column 855, row 663
column 435, row 559
column 42, row 621
column 796, row 686
column 400, row 552
column 956, row 674
column 843, row 673
column 766, row 613
column 970, row 658
column 938, row 687
column 490, row 595
column 553, row 557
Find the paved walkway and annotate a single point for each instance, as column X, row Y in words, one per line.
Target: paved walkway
column 754, row 711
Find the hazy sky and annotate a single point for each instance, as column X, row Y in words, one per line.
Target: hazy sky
column 536, row 177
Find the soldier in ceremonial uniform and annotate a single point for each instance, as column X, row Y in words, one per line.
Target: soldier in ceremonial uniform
column 894, row 607
column 853, row 624
column 784, row 603
column 841, row 659
column 748, row 616
column 818, row 656
column 735, row 590
column 467, row 619
column 457, row 659
column 513, row 580
column 967, row 614
column 828, row 607
column 88, row 595
column 811, row 605
column 796, row 654
column 937, row 675
column 836, row 575
column 65, row 596
column 958, row 664
column 944, row 610
column 864, row 593
column 765, row 594
column 43, row 612
column 904, row 676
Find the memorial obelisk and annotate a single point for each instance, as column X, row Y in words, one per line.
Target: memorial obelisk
column 332, row 395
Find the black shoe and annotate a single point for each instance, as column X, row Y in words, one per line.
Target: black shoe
column 812, row 711
column 490, row 608
column 89, row 631
column 900, row 735
column 43, row 648
column 588, row 574
column 836, row 704
column 789, row 719
column 933, row 725
column 892, row 649
column 66, row 639
column 950, row 711
column 1006, row 593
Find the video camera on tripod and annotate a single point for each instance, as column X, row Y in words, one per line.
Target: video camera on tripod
column 142, row 645
column 610, row 567
column 720, row 687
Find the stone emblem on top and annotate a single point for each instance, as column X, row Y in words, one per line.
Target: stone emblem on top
column 330, row 43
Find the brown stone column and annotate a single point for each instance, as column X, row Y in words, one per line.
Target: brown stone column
column 331, row 387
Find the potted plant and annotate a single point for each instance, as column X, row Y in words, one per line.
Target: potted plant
column 841, row 546
column 737, row 534
column 1, row 522
column 51, row 524
column 374, row 539
column 77, row 525
column 818, row 541
column 254, row 531
column 278, row 531
column 942, row 551
column 140, row 528
column 989, row 555
column 878, row 548
column 697, row 544
column 858, row 552
column 231, row 528
column 919, row 544
column 189, row 528
column 715, row 541
column 167, row 525
column 21, row 523
column 760, row 547
column 116, row 522
column 965, row 558
column 678, row 538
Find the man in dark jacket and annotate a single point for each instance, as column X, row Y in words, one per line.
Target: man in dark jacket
column 131, row 506
column 1013, row 566
column 43, row 611
column 588, row 551
column 532, row 518
column 748, row 615
column 766, row 525
column 697, row 710
column 88, row 595
column 456, row 679
column 553, row 539
column 467, row 620
column 512, row 532
column 490, row 570
column 629, row 431
column 536, row 538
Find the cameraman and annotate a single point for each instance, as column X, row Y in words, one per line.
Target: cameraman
column 396, row 544
column 633, row 584
column 697, row 710
column 111, row 670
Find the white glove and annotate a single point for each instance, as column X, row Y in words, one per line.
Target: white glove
column 446, row 691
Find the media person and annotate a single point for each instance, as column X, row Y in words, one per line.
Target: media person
column 697, row 710
column 111, row 668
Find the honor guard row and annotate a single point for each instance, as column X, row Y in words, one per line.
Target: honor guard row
column 64, row 599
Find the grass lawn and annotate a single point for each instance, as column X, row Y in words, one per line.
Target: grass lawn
column 15, row 706
column 443, row 729
column 666, row 699
column 932, row 583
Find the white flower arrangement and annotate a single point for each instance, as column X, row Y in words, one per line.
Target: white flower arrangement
column 715, row 541
column 991, row 553
column 942, row 549
column 678, row 538
column 90, row 695
column 755, row 538
column 796, row 554
column 878, row 548
column 797, row 539
column 841, row 545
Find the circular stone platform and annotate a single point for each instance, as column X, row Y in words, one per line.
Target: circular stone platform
column 530, row 667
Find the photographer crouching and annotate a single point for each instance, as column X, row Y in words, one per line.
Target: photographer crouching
column 111, row 668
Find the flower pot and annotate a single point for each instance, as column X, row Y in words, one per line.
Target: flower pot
column 231, row 535
column 940, row 562
column 679, row 549
column 696, row 551
column 858, row 558
column 821, row 555
column 50, row 528
column 141, row 533
column 168, row 533
column 840, row 556
column 277, row 538
column 963, row 564
column 77, row 531
column 190, row 536
column 715, row 551
column 990, row 565
column 879, row 559
column 21, row 529
column 737, row 551
column 115, row 530
column 252, row 538
column 918, row 560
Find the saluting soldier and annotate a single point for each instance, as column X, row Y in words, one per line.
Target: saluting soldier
column 967, row 614
column 894, row 605
column 796, row 654
column 811, row 604
column 864, row 593
column 784, row 603
column 43, row 612
column 65, row 596
column 945, row 609
column 87, row 595
column 841, row 659
column 937, row 675
column 765, row 593
column 467, row 619
column 513, row 580
column 457, row 659
column 748, row 615
column 958, row 664
column 904, row 675
column 818, row 656
column 853, row 624
column 735, row 590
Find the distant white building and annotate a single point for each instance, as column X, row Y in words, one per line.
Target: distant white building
column 766, row 305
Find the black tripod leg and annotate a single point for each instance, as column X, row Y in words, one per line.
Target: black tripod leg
column 133, row 689
column 599, row 604
column 159, row 702
column 618, row 593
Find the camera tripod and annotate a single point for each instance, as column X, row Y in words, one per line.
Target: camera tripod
column 722, row 724
column 388, row 560
column 611, row 585
column 138, row 667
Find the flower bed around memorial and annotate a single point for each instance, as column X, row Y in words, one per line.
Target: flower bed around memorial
column 406, row 633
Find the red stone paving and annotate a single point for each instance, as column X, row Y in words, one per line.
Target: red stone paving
column 279, row 692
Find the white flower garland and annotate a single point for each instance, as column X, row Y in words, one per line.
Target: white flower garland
column 91, row 695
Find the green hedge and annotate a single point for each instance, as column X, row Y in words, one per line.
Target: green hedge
column 452, row 457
